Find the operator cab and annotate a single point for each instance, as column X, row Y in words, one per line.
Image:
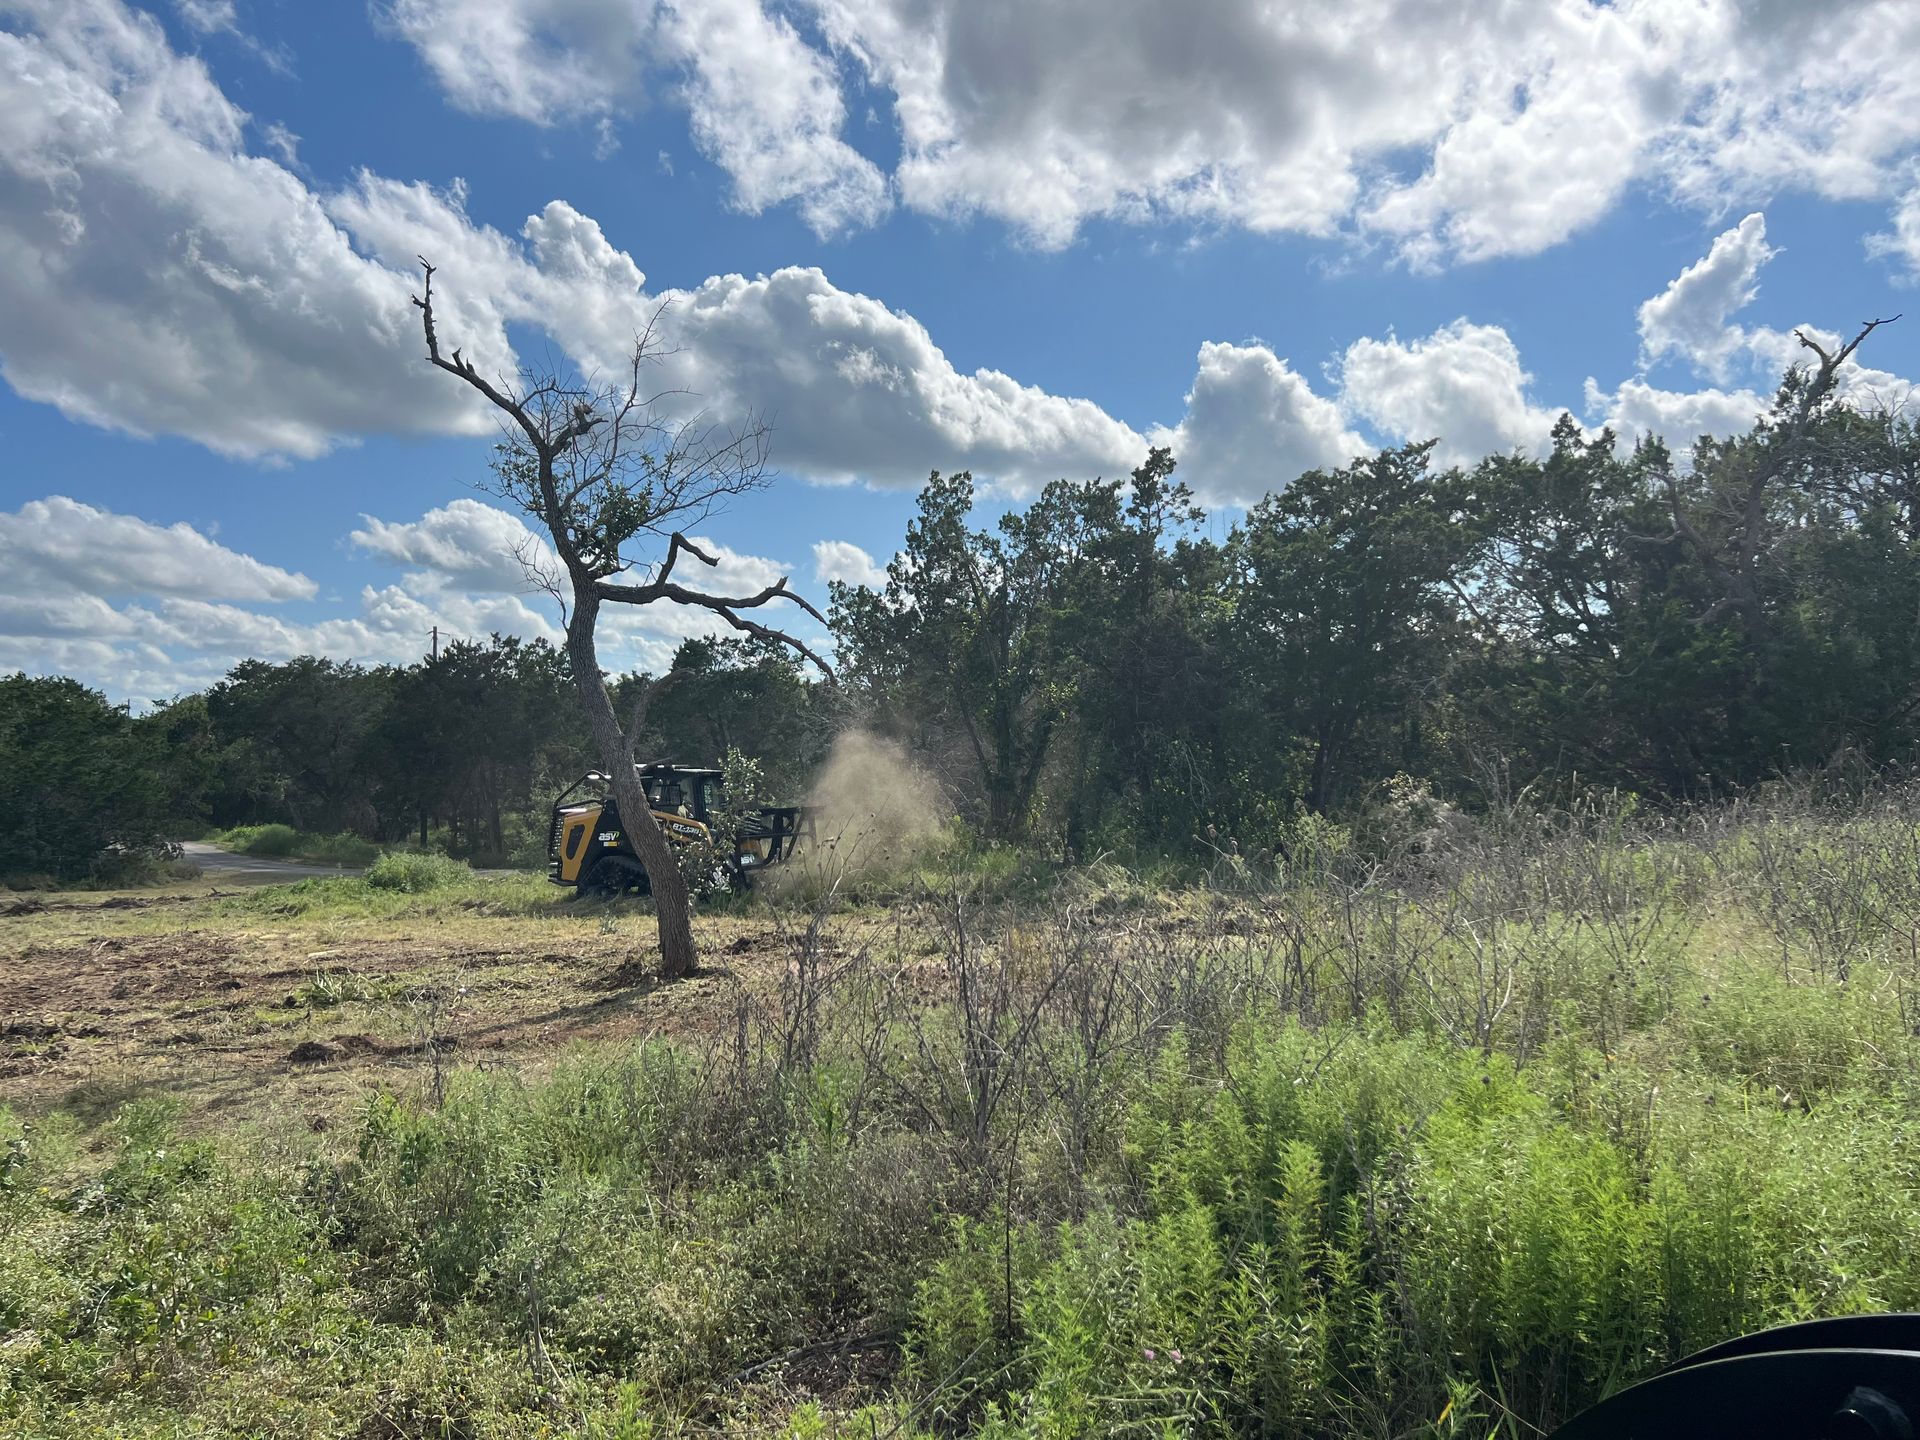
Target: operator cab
column 680, row 790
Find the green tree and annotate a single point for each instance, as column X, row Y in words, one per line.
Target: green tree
column 78, row 780
column 468, row 733
column 1574, row 609
column 1345, row 607
column 295, row 743
column 179, row 736
column 963, row 636
column 1137, row 619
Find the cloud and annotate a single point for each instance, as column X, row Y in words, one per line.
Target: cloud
column 541, row 60
column 1253, row 425
column 160, row 279
column 467, row 542
column 156, row 278
column 1549, row 130
column 1902, row 242
column 846, row 562
column 854, row 389
column 61, row 544
column 144, row 611
column 1463, row 385
column 1453, row 130
column 766, row 107
column 222, row 17
column 762, row 103
column 208, row 17
column 1690, row 317
column 1820, row 100
column 1635, row 410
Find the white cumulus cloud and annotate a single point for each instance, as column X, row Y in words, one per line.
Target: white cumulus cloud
column 157, row 278
column 468, row 542
column 844, row 561
column 1902, row 242
column 766, row 107
column 161, row 279
column 1463, row 385
column 1454, row 129
column 1253, row 425
column 1635, row 410
column 62, row 544
column 762, row 103
column 146, row 611
column 1690, row 317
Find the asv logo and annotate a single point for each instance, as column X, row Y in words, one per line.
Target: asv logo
column 608, row 837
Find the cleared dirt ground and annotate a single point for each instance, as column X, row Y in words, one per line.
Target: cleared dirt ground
column 263, row 999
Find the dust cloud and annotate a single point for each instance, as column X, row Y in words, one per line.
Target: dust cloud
column 873, row 809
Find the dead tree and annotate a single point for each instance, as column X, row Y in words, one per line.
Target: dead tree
column 1730, row 541
column 600, row 467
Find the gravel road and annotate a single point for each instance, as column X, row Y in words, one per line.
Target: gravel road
column 253, row 869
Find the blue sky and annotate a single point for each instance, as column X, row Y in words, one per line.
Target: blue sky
column 1029, row 239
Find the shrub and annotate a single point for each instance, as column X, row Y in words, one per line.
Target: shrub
column 267, row 841
column 283, row 842
column 414, row 873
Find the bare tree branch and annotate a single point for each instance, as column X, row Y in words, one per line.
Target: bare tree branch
column 621, row 446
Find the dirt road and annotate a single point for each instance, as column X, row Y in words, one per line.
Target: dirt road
column 253, row 869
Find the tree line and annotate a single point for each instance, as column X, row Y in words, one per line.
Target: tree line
column 462, row 751
column 1095, row 671
column 1092, row 673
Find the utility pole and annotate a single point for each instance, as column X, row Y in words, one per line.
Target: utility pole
column 436, row 642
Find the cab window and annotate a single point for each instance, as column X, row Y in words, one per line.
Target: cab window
column 665, row 794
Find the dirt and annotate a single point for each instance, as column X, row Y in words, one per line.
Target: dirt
column 306, row 1017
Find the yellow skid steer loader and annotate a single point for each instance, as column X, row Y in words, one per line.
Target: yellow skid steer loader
column 589, row 849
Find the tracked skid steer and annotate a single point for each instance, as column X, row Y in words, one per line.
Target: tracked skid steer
column 589, row 849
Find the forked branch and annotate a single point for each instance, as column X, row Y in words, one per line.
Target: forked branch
column 1821, row 384
column 680, row 476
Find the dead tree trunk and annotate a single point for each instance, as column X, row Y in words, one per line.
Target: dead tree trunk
column 672, row 902
column 598, row 469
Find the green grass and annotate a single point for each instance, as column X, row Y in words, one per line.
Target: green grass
column 415, row 874
column 1484, row 1139
column 283, row 842
column 440, row 890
